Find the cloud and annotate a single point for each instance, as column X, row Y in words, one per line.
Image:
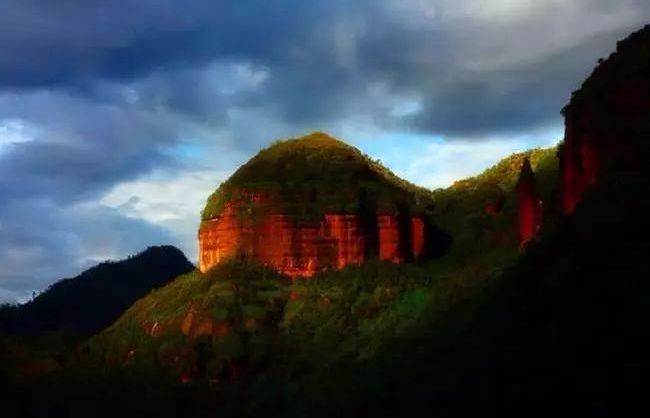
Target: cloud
column 42, row 241
column 440, row 164
column 13, row 132
column 79, row 146
column 118, row 117
column 59, row 154
column 321, row 59
column 171, row 201
column 8, row 297
column 488, row 101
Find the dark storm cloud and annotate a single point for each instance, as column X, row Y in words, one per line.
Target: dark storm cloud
column 76, row 149
column 79, row 148
column 524, row 96
column 71, row 42
column 110, row 88
column 323, row 56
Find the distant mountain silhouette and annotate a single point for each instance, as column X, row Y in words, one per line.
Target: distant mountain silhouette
column 94, row 299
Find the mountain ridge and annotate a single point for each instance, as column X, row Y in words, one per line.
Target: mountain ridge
column 90, row 301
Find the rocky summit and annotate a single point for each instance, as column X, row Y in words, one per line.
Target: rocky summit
column 315, row 203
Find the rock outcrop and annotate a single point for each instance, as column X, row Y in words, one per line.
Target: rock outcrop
column 322, row 218
column 529, row 205
column 607, row 122
column 297, row 249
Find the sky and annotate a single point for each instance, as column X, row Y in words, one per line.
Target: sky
column 119, row 117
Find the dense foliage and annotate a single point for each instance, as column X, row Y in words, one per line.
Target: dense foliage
column 346, row 314
column 272, row 342
column 316, row 174
column 340, row 316
column 239, row 301
column 464, row 208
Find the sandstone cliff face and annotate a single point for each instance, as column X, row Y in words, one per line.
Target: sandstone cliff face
column 529, row 205
column 607, row 122
column 254, row 227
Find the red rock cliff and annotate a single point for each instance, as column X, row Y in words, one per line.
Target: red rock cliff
column 529, row 205
column 607, row 122
column 300, row 249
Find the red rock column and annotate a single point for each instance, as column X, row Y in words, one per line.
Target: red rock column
column 345, row 232
column 529, row 205
column 417, row 236
column 389, row 238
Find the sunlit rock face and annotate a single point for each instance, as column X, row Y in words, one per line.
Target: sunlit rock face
column 255, row 228
column 314, row 203
column 607, row 122
column 529, row 205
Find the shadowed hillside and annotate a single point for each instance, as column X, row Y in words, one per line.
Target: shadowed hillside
column 93, row 300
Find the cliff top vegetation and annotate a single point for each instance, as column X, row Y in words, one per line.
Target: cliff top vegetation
column 316, row 174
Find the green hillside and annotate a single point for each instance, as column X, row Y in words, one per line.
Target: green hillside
column 384, row 292
column 333, row 319
column 241, row 301
column 273, row 343
column 461, row 208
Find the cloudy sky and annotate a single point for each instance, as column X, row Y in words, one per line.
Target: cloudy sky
column 119, row 117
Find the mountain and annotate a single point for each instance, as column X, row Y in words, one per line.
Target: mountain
column 481, row 212
column 520, row 312
column 566, row 329
column 240, row 317
column 92, row 300
column 538, row 304
column 314, row 203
